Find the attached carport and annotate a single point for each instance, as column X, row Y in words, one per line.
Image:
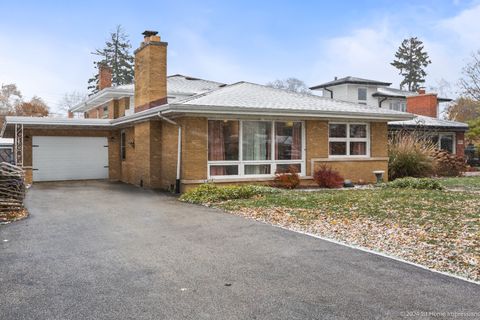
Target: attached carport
column 52, row 149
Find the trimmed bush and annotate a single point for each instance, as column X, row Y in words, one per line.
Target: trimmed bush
column 208, row 193
column 288, row 179
column 326, row 177
column 410, row 155
column 415, row 183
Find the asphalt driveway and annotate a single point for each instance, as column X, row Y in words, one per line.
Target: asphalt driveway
column 98, row 250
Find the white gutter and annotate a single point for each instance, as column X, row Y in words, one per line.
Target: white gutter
column 56, row 121
column 179, row 150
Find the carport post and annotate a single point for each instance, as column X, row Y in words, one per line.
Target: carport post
column 179, row 150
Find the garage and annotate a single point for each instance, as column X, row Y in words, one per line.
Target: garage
column 56, row 158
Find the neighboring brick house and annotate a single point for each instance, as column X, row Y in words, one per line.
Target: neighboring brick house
column 448, row 135
column 183, row 131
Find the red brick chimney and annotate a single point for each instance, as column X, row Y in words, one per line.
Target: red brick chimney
column 104, row 76
column 150, row 72
column 424, row 104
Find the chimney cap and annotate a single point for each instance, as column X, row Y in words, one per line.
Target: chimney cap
column 148, row 33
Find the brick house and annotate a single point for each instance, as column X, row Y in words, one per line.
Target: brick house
column 177, row 132
column 447, row 135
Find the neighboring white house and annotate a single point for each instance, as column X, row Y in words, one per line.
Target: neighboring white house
column 369, row 92
column 448, row 135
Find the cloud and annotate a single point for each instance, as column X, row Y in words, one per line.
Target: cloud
column 43, row 66
column 464, row 28
column 196, row 56
column 368, row 51
column 365, row 52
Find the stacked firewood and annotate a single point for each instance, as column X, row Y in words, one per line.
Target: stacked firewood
column 448, row 164
column 12, row 188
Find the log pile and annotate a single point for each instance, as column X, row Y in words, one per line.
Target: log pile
column 12, row 188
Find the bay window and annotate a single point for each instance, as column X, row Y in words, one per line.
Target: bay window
column 348, row 139
column 254, row 148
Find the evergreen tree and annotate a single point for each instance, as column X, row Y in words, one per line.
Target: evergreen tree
column 116, row 54
column 411, row 60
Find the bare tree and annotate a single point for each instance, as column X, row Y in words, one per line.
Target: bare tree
column 442, row 87
column 463, row 110
column 290, row 84
column 10, row 96
column 470, row 82
column 69, row 100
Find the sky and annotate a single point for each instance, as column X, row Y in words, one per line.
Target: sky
column 45, row 46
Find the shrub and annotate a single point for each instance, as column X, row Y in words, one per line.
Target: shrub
column 207, row 193
column 410, row 155
column 288, row 179
column 326, row 177
column 448, row 165
column 415, row 183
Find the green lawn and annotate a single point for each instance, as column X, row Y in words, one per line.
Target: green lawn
column 467, row 183
column 436, row 228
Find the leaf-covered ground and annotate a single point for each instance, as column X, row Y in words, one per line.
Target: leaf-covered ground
column 438, row 229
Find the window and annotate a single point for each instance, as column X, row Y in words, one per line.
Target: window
column 398, row 105
column 253, row 148
column 105, row 112
column 348, row 139
column 362, row 95
column 444, row 141
column 122, row 145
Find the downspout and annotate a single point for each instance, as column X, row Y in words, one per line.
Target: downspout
column 179, row 150
column 380, row 102
column 331, row 92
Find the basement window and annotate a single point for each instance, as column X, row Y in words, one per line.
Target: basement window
column 123, row 153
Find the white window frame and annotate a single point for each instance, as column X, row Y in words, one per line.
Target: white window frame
column 347, row 139
column 272, row 162
column 105, row 115
column 366, row 95
column 439, row 143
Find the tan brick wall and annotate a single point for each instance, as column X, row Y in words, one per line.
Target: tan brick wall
column 357, row 171
column 127, row 165
column 316, row 136
column 194, row 148
column 150, row 73
column 114, row 164
column 168, row 163
column 142, row 164
column 379, row 139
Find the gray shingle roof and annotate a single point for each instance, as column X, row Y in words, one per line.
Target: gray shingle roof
column 179, row 84
column 176, row 85
column 429, row 122
column 255, row 97
column 352, row 80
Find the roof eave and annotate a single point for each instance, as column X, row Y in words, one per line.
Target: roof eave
column 326, row 85
column 100, row 98
column 202, row 109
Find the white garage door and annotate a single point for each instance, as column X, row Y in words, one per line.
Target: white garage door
column 69, row 158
